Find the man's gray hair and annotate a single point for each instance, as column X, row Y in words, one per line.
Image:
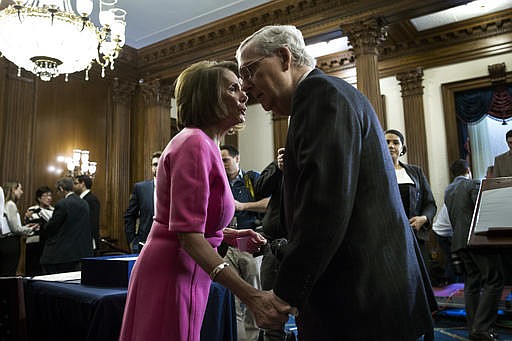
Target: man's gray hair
column 270, row 38
column 65, row 183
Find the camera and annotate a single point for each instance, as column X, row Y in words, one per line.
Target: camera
column 278, row 246
column 458, row 265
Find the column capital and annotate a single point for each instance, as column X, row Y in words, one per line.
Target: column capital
column 411, row 82
column 157, row 92
column 122, row 91
column 366, row 35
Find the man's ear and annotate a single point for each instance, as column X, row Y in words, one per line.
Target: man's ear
column 285, row 57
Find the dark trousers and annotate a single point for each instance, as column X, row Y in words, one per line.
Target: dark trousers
column 445, row 243
column 483, row 286
column 9, row 255
column 268, row 273
column 61, row 267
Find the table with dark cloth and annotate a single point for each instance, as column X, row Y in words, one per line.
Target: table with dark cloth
column 70, row 311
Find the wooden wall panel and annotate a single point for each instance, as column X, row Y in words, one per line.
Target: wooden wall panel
column 17, row 142
column 71, row 115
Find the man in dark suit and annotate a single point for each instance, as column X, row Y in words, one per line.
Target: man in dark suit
column 483, row 283
column 82, row 185
column 68, row 233
column 350, row 266
column 139, row 215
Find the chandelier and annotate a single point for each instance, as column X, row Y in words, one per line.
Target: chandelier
column 77, row 164
column 48, row 38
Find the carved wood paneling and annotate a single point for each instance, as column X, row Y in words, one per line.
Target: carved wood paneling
column 17, row 140
column 118, row 183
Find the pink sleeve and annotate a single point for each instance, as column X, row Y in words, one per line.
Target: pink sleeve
column 190, row 187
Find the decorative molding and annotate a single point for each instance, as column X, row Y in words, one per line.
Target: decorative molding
column 411, row 82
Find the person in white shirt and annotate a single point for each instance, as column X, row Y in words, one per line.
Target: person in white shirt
column 10, row 241
column 443, row 231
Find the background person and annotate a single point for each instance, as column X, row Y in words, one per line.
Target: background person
column 10, row 241
column 483, row 280
column 417, row 198
column 82, row 185
column 68, row 233
column 350, row 255
column 40, row 213
column 503, row 162
column 248, row 213
column 172, row 276
column 270, row 184
column 139, row 214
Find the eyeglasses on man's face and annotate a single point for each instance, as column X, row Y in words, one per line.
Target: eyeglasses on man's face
column 245, row 70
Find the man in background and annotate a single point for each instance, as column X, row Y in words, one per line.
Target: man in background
column 139, row 214
column 503, row 162
column 248, row 211
column 483, row 283
column 68, row 233
column 82, row 185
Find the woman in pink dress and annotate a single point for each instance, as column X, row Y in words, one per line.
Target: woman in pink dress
column 170, row 282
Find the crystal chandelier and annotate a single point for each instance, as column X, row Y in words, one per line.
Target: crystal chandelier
column 48, row 38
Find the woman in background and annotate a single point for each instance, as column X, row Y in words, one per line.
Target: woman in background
column 417, row 198
column 40, row 214
column 171, row 279
column 10, row 241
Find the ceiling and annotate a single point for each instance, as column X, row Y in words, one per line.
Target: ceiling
column 150, row 21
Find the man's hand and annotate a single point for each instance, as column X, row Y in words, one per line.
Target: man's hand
column 417, row 222
column 269, row 311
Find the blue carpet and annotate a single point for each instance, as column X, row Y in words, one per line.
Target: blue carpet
column 450, row 325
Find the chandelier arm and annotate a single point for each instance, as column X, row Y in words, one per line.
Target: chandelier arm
column 18, row 9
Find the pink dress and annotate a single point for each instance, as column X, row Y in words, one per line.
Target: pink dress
column 168, row 291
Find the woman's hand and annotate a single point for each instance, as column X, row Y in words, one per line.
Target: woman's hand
column 252, row 240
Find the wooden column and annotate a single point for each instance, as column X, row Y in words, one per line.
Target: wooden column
column 414, row 116
column 365, row 36
column 156, row 121
column 118, row 186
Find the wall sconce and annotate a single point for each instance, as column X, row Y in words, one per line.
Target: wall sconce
column 77, row 164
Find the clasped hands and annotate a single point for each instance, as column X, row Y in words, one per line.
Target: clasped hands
column 270, row 311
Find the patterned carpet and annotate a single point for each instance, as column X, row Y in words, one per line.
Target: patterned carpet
column 450, row 322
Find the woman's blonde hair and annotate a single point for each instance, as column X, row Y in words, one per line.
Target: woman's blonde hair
column 198, row 94
column 9, row 188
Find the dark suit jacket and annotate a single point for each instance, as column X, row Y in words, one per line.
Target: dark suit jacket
column 94, row 214
column 269, row 185
column 351, row 263
column 421, row 199
column 460, row 198
column 68, row 233
column 141, row 206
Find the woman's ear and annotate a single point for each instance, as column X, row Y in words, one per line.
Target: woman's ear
column 404, row 150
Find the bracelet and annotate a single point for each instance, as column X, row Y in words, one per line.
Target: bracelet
column 216, row 270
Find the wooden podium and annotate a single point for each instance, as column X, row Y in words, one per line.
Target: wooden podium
column 492, row 219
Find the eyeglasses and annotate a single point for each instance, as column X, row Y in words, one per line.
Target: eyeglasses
column 245, row 71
